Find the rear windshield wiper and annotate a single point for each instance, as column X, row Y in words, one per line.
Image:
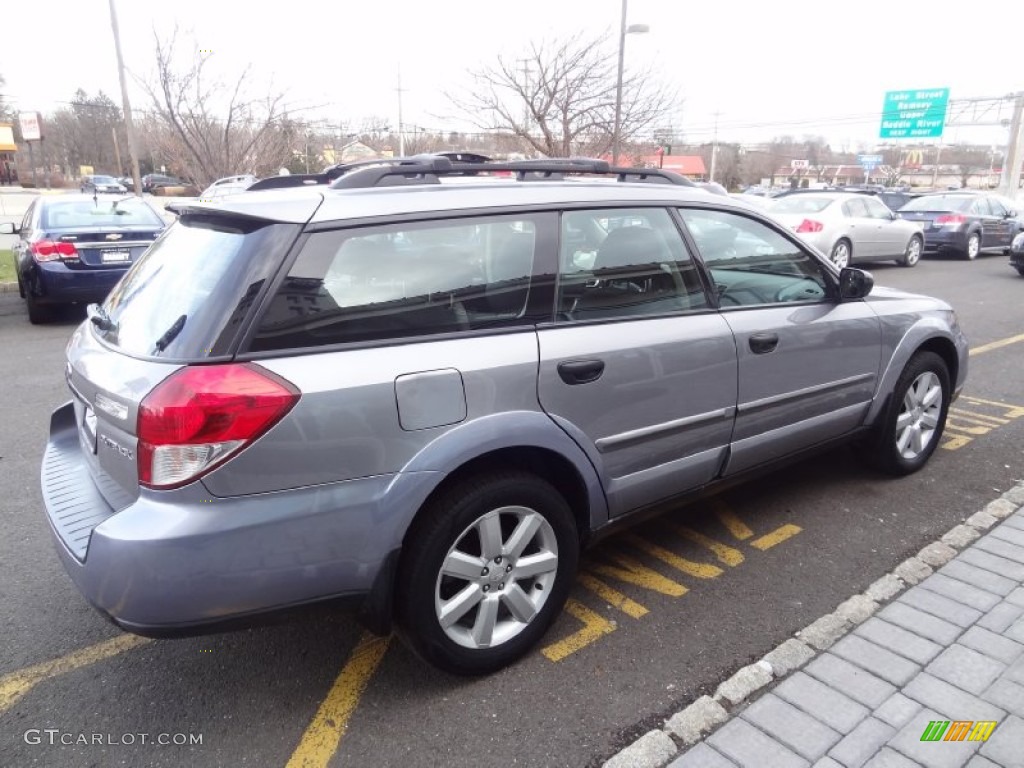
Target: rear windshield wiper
column 171, row 333
column 99, row 317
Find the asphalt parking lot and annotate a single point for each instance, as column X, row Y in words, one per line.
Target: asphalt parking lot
column 660, row 614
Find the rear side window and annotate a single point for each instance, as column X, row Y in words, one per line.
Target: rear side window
column 189, row 294
column 404, row 280
column 99, row 213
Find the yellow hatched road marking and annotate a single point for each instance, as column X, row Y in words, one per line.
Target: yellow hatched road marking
column 981, row 418
column 957, row 441
column 594, row 627
column 637, row 574
column 732, row 523
column 726, row 554
column 1012, row 411
column 777, row 536
column 322, row 737
column 955, row 425
column 997, row 344
column 16, row 684
column 697, row 570
column 611, row 596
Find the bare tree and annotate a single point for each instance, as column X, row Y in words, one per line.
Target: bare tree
column 205, row 129
column 559, row 97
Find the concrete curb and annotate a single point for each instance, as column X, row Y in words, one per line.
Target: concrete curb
column 8, row 287
column 695, row 722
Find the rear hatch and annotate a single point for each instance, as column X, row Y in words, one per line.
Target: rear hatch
column 185, row 302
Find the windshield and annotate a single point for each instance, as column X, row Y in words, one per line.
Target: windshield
column 103, row 180
column 801, row 204
column 130, row 212
column 188, row 295
column 939, row 203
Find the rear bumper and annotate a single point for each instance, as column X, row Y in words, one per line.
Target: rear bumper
column 185, row 562
column 54, row 283
column 945, row 240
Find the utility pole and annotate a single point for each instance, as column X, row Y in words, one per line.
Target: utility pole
column 714, row 149
column 1009, row 184
column 401, row 127
column 128, row 126
column 117, row 151
column 525, row 69
column 935, row 171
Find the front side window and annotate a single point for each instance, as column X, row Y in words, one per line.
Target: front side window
column 877, row 209
column 624, row 262
column 404, row 280
column 752, row 264
column 980, row 207
column 996, row 207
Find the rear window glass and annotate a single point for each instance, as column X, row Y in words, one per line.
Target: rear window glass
column 189, row 294
column 939, row 203
column 101, row 212
column 801, row 204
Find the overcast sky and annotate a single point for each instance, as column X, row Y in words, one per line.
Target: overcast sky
column 768, row 67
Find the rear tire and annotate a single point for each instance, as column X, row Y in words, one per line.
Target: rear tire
column 909, row 431
column 472, row 596
column 973, row 246
column 913, row 253
column 842, row 253
column 38, row 314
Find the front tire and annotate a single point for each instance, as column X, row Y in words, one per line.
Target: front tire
column 973, row 246
column 913, row 253
column 912, row 425
column 487, row 567
column 842, row 253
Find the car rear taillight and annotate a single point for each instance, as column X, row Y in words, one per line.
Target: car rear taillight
column 808, row 225
column 51, row 250
column 950, row 218
column 200, row 416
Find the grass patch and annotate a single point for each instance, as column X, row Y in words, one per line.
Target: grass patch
column 7, row 267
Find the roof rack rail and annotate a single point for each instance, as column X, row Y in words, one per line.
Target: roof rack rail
column 426, row 169
column 294, row 180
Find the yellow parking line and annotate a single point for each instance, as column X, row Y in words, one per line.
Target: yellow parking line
column 777, row 536
column 732, row 523
column 957, row 441
column 611, row 596
column 594, row 626
column 980, row 418
column 16, row 684
column 997, row 344
column 322, row 737
column 633, row 572
column 689, row 567
column 1012, row 411
column 726, row 554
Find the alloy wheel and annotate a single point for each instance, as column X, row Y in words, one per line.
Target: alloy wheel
column 841, row 255
column 919, row 415
column 497, row 577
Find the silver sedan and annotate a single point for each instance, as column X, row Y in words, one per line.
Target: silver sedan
column 850, row 227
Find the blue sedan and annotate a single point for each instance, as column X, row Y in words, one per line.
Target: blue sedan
column 75, row 248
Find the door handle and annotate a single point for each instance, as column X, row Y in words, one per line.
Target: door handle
column 763, row 343
column 580, row 371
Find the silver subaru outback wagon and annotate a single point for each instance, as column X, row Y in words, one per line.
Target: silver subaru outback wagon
column 427, row 396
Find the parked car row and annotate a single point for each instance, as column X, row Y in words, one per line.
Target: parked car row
column 857, row 225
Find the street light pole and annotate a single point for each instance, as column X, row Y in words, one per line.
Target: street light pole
column 623, row 31
column 617, row 128
column 129, row 129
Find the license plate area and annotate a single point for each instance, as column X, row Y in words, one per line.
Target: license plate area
column 117, row 256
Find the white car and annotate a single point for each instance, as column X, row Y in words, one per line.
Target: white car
column 230, row 185
column 850, row 227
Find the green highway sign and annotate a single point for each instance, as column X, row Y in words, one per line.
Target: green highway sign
column 919, row 113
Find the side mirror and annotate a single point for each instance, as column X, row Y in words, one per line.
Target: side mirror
column 9, row 228
column 1011, row 215
column 854, row 284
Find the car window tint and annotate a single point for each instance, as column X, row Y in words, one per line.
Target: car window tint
column 876, row 208
column 404, row 280
column 995, row 207
column 855, row 208
column 624, row 262
column 99, row 213
column 980, row 207
column 752, row 264
column 26, row 222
